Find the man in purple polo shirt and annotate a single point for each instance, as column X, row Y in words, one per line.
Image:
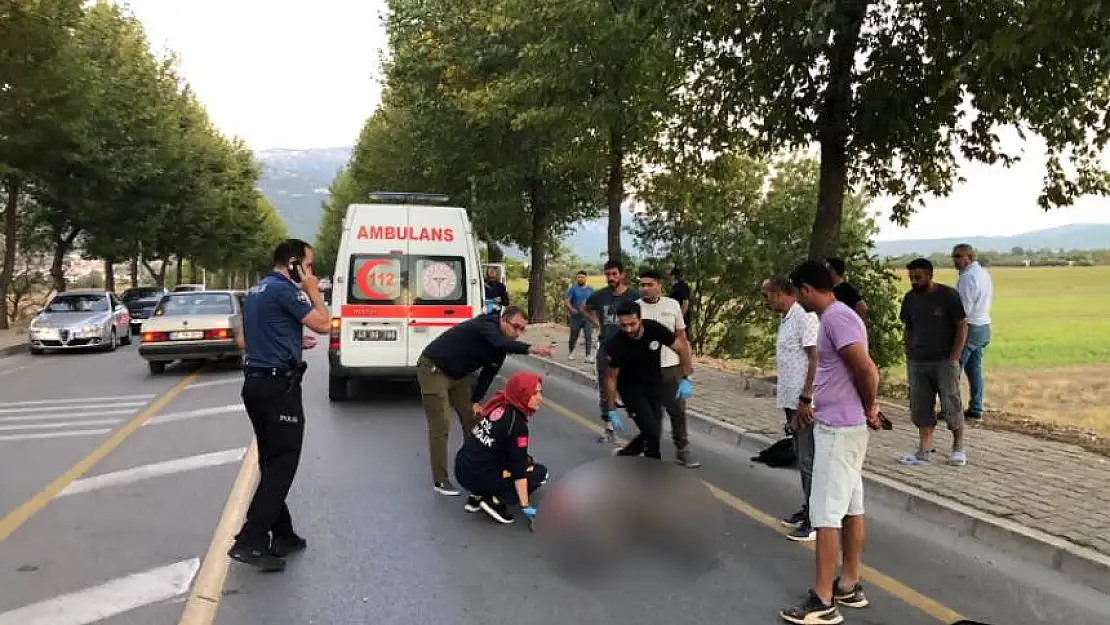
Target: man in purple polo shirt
column 844, row 407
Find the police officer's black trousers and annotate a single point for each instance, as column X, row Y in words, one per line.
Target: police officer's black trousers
column 277, row 416
column 501, row 485
column 645, row 405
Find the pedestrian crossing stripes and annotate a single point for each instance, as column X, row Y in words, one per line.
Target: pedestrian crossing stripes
column 45, row 419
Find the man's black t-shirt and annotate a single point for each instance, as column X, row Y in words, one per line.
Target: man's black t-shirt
column 639, row 358
column 497, row 443
column 931, row 320
column 847, row 294
column 680, row 293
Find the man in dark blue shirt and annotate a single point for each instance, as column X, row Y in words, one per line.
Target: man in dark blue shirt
column 275, row 313
column 445, row 373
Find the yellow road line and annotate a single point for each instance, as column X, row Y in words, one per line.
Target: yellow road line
column 204, row 600
column 892, row 586
column 37, row 502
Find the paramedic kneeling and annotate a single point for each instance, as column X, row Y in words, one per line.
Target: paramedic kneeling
column 444, row 373
column 275, row 313
column 493, row 463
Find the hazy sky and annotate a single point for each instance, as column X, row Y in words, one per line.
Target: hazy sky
column 286, row 74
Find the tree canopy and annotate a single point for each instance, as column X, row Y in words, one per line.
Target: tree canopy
column 105, row 151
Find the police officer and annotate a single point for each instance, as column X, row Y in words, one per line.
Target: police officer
column 275, row 313
column 634, row 372
column 444, row 373
column 493, row 462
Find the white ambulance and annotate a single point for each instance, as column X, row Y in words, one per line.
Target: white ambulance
column 404, row 274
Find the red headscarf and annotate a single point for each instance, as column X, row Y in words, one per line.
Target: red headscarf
column 517, row 393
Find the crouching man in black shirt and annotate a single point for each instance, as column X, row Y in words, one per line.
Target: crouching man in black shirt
column 444, row 373
column 493, row 463
column 634, row 372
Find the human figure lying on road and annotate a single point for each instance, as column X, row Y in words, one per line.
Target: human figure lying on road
column 493, row 462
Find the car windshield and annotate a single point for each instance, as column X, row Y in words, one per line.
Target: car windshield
column 78, row 303
column 130, row 295
column 199, row 303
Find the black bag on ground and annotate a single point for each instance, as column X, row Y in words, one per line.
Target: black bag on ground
column 779, row 454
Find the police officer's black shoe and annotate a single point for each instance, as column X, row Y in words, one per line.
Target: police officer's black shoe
column 282, row 545
column 260, row 559
column 473, row 503
column 497, row 510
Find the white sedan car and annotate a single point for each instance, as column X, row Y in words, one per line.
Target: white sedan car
column 191, row 326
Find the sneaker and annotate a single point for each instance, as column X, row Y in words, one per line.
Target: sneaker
column 804, row 533
column 853, row 598
column 972, row 414
column 260, row 559
column 607, row 436
column 497, row 510
column 572, row 356
column 795, row 520
column 686, row 459
column 446, row 488
column 812, row 611
column 473, row 503
column 590, row 359
column 282, row 546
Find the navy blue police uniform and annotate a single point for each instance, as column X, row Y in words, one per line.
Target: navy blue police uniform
column 273, row 368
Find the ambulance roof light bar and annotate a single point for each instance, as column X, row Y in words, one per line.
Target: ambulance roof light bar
column 410, row 198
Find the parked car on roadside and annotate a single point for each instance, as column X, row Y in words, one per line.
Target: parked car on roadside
column 81, row 319
column 141, row 302
column 183, row 288
column 192, row 326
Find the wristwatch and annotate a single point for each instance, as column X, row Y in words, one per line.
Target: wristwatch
column 805, row 400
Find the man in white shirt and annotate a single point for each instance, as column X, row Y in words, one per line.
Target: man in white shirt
column 667, row 311
column 976, row 291
column 796, row 365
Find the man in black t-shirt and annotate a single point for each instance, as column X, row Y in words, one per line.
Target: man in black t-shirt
column 634, row 357
column 843, row 290
column 680, row 292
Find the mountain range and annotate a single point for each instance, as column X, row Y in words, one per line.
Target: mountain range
column 296, row 183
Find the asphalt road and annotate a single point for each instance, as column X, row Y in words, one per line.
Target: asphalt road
column 383, row 547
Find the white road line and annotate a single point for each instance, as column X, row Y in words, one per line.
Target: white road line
column 67, row 434
column 126, row 404
column 157, row 469
column 214, row 383
column 61, row 424
column 75, row 400
column 67, row 415
column 193, row 414
column 107, row 600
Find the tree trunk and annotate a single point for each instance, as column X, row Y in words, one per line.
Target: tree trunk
column 194, row 272
column 134, row 271
column 62, row 246
column 494, row 252
column 537, row 300
column 615, row 190
column 835, row 120
column 109, row 275
column 179, row 269
column 11, row 236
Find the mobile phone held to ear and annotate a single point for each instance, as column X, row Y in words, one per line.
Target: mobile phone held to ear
column 295, row 269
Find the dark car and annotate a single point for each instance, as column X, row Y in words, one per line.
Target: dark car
column 141, row 302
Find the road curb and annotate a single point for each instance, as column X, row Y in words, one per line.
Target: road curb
column 14, row 350
column 1079, row 564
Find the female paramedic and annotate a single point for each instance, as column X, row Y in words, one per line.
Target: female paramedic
column 493, row 462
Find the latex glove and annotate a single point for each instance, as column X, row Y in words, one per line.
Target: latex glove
column 615, row 421
column 528, row 511
column 685, row 389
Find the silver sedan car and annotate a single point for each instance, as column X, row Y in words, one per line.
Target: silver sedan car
column 81, row 319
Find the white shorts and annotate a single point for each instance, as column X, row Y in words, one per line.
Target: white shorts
column 837, row 489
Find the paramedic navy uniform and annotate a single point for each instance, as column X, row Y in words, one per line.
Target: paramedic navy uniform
column 494, row 455
column 273, row 334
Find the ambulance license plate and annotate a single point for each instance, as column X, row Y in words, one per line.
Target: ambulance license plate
column 376, row 335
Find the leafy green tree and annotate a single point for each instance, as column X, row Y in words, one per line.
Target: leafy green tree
column 895, row 93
